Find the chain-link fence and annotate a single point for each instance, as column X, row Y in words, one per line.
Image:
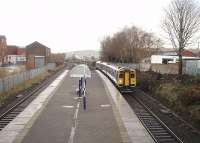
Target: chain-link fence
column 9, row 82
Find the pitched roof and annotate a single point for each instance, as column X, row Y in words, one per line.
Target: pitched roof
column 186, row 53
column 35, row 45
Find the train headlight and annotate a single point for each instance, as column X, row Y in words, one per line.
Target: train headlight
column 120, row 81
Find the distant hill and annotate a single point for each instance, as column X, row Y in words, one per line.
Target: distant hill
column 84, row 53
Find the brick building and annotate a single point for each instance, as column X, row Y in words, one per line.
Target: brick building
column 37, row 50
column 3, row 49
column 58, row 58
column 16, row 55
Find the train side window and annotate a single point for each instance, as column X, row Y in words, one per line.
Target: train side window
column 121, row 75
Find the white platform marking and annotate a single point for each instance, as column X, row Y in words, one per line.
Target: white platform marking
column 106, row 105
column 77, row 98
column 67, row 106
column 73, row 129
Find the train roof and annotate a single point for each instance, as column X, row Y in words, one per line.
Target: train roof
column 114, row 67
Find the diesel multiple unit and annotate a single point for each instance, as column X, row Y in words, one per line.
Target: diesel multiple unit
column 124, row 78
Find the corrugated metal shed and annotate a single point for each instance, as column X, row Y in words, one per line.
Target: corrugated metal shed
column 39, row 61
column 191, row 66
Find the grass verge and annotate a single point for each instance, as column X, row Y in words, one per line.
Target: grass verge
column 182, row 97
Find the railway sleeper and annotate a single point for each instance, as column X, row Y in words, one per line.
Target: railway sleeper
column 160, row 133
column 156, row 127
column 11, row 114
column 15, row 113
column 153, row 124
column 3, row 121
column 167, row 140
column 150, row 119
column 165, row 137
column 7, row 119
column 151, row 127
column 147, row 117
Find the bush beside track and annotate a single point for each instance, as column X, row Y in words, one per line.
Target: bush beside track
column 182, row 97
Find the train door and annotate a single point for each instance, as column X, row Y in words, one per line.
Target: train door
column 132, row 78
column 126, row 78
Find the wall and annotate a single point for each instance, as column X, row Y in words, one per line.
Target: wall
column 165, row 68
column 143, row 67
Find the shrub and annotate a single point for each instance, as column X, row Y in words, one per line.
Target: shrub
column 195, row 112
column 190, row 96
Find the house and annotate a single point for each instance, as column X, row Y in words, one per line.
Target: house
column 3, row 48
column 16, row 55
column 171, row 57
column 37, row 55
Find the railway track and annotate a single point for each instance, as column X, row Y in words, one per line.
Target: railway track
column 29, row 95
column 156, row 128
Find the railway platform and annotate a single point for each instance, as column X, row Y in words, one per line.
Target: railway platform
column 57, row 116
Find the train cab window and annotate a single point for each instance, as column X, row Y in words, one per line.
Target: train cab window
column 132, row 75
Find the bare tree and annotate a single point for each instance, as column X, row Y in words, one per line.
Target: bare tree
column 129, row 45
column 181, row 23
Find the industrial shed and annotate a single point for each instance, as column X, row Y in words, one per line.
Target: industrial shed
column 37, row 53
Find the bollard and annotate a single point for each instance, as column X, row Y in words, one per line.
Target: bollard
column 84, row 102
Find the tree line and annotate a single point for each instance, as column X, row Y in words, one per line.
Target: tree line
column 129, row 45
column 181, row 23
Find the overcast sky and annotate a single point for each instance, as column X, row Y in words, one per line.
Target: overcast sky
column 69, row 25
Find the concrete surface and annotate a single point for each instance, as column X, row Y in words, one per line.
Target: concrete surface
column 14, row 129
column 136, row 131
column 57, row 116
column 65, row 121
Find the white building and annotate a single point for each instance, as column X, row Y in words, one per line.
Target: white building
column 164, row 59
column 16, row 59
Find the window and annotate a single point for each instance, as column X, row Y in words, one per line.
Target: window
column 132, row 75
column 121, row 75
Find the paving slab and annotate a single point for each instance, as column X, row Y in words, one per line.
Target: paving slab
column 65, row 121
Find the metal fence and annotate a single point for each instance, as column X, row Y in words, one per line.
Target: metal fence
column 9, row 82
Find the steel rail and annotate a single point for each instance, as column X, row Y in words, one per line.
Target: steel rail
column 13, row 111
